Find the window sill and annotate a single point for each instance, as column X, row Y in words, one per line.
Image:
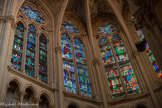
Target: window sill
column 82, row 98
column 128, row 98
column 33, row 80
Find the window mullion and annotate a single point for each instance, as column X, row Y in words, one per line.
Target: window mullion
column 117, row 64
column 75, row 69
column 24, row 50
column 37, row 55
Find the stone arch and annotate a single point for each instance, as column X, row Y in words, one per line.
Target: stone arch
column 80, row 38
column 76, row 104
column 71, row 18
column 17, row 81
column 50, row 99
column 35, row 25
column 41, row 4
column 45, row 34
column 104, row 20
column 33, row 89
column 13, row 91
column 23, row 22
column 69, row 35
column 140, row 105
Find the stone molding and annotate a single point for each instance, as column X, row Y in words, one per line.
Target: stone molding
column 82, row 98
column 22, row 75
column 9, row 18
column 58, row 49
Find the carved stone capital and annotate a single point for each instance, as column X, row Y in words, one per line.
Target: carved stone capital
column 84, row 34
column 9, row 18
column 95, row 61
column 96, row 35
column 37, row 99
column 58, row 49
column 22, row 92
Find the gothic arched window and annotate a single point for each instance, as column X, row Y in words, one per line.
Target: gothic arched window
column 25, row 53
column 74, row 63
column 16, row 57
column 43, row 58
column 30, row 51
column 68, row 65
column 84, row 81
column 119, row 71
column 150, row 55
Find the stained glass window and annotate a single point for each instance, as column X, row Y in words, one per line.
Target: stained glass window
column 17, row 46
column 118, row 67
column 30, row 51
column 150, row 55
column 72, row 28
column 111, row 69
column 125, row 66
column 33, row 14
column 74, row 68
column 109, row 29
column 84, row 80
column 68, row 65
column 28, row 40
column 43, row 58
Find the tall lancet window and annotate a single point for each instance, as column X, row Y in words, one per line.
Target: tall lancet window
column 76, row 77
column 29, row 53
column 84, row 81
column 68, row 65
column 118, row 69
column 150, row 55
column 43, row 58
column 16, row 57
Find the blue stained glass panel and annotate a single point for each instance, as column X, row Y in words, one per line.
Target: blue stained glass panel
column 109, row 29
column 43, row 58
column 84, row 81
column 30, row 51
column 68, row 66
column 69, row 77
column 125, row 66
column 72, row 28
column 33, row 14
column 16, row 56
column 111, row 69
column 79, row 52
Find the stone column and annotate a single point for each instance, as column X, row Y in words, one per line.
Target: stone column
column 37, row 100
column 91, row 73
column 75, row 68
column 24, row 50
column 22, row 94
column 57, row 46
column 9, row 21
column 60, row 75
column 95, row 60
column 37, row 56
